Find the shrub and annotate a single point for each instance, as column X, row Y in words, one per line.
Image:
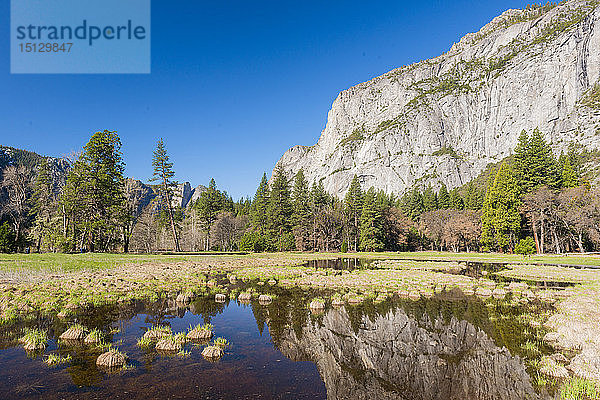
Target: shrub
column 525, row 246
column 254, row 241
column 7, row 239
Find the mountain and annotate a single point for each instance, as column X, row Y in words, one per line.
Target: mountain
column 184, row 195
column 445, row 119
column 59, row 167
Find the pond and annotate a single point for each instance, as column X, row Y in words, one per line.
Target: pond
column 445, row 347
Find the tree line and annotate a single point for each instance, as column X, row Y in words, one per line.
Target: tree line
column 532, row 201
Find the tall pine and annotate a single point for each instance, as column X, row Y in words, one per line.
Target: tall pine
column 260, row 205
column 280, row 206
column 501, row 219
column 163, row 174
column 353, row 204
column 444, row 198
column 371, row 224
column 301, row 210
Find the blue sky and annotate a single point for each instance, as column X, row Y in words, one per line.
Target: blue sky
column 234, row 84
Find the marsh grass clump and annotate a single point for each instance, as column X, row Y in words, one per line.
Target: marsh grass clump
column 220, row 297
column 144, row 343
column 171, row 343
column 337, row 300
column 57, row 359
column 200, row 332
column 317, row 304
column 221, row 342
column 184, row 353
column 65, row 313
column 94, row 337
column 33, row 339
column 355, row 299
column 550, row 367
column 157, row 332
column 579, row 389
column 75, row 333
column 184, row 298
column 531, row 348
column 112, row 359
column 245, row 297
column 265, row 299
column 212, row 353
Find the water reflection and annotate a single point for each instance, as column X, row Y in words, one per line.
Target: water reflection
column 447, row 347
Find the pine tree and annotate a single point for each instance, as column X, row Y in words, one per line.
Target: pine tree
column 429, row 199
column 473, row 197
column 353, row 209
column 163, row 173
column 280, row 206
column 94, row 195
column 44, row 203
column 534, row 163
column 444, row 201
column 318, row 197
column 260, row 205
column 522, row 160
column 208, row 205
column 570, row 171
column 301, row 210
column 371, row 234
column 456, row 201
column 501, row 220
column 543, row 167
column 413, row 205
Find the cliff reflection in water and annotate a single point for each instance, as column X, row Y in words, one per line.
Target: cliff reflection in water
column 445, row 347
column 407, row 354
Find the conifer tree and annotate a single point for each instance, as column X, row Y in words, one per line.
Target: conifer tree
column 444, row 198
column 521, row 161
column 543, row 169
column 429, row 199
column 456, row 201
column 371, row 235
column 570, row 171
column 413, row 206
column 163, row 174
column 44, row 202
column 318, row 196
column 473, row 197
column 534, row 163
column 301, row 210
column 93, row 193
column 501, row 220
column 208, row 205
column 353, row 208
column 260, row 206
column 280, row 206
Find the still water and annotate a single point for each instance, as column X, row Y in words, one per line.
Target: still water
column 446, row 347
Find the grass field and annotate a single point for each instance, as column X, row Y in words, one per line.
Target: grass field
column 95, row 261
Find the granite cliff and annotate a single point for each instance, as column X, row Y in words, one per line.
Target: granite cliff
column 445, row 119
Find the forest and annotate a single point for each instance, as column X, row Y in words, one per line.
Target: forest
column 531, row 202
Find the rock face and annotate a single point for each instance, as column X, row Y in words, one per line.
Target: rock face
column 397, row 356
column 445, row 119
column 182, row 195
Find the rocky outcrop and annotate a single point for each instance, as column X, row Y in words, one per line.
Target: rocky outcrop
column 445, row 119
column 182, row 195
column 196, row 193
column 396, row 356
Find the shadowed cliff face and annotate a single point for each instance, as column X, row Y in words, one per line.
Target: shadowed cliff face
column 396, row 356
